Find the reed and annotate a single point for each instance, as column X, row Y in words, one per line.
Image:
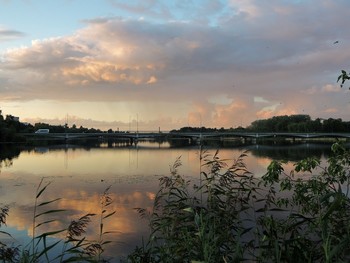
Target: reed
column 232, row 216
column 75, row 247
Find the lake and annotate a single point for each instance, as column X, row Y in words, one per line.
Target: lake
column 79, row 174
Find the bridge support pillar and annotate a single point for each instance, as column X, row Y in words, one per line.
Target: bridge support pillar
column 133, row 141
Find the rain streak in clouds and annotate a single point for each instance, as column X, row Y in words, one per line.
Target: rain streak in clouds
column 218, row 63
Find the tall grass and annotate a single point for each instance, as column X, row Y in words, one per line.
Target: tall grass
column 302, row 216
column 43, row 247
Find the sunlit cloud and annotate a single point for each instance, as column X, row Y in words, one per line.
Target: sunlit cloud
column 231, row 115
column 260, row 100
column 331, row 88
column 331, row 110
column 232, row 58
column 152, row 80
column 275, row 110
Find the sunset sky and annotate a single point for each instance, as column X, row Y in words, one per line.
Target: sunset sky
column 169, row 64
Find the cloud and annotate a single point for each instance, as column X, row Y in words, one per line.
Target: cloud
column 221, row 99
column 260, row 100
column 9, row 34
column 177, row 10
column 164, row 123
column 106, row 53
column 331, row 88
column 331, row 110
column 152, row 80
column 245, row 56
column 78, row 121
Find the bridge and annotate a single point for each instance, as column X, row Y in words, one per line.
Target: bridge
column 193, row 136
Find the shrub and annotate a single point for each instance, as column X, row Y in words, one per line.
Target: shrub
column 231, row 216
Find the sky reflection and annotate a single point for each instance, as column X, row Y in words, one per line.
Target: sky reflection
column 80, row 176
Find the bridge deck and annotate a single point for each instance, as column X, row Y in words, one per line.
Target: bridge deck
column 192, row 135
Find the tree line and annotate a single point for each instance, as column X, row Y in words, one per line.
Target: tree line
column 291, row 123
column 299, row 123
column 11, row 128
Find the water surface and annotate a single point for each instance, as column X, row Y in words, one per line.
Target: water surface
column 80, row 174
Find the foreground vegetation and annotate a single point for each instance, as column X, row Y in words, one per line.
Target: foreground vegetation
column 75, row 247
column 231, row 216
column 226, row 215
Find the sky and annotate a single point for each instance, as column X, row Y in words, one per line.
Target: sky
column 168, row 64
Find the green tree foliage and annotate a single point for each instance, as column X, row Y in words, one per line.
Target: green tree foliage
column 10, row 127
column 292, row 123
column 299, row 123
column 343, row 77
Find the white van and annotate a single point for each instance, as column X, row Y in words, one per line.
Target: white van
column 43, row 131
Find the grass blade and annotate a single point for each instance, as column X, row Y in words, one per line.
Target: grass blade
column 50, row 212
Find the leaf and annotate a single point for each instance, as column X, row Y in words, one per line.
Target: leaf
column 335, row 205
column 260, row 210
column 340, row 76
column 339, row 247
column 44, row 252
column 77, row 245
column 246, row 230
column 43, row 235
column 110, row 232
column 45, row 222
column 110, row 214
column 5, row 233
column 50, row 212
column 49, row 202
column 188, row 209
column 106, row 242
column 42, row 190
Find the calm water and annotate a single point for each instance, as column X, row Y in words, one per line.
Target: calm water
column 80, row 174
